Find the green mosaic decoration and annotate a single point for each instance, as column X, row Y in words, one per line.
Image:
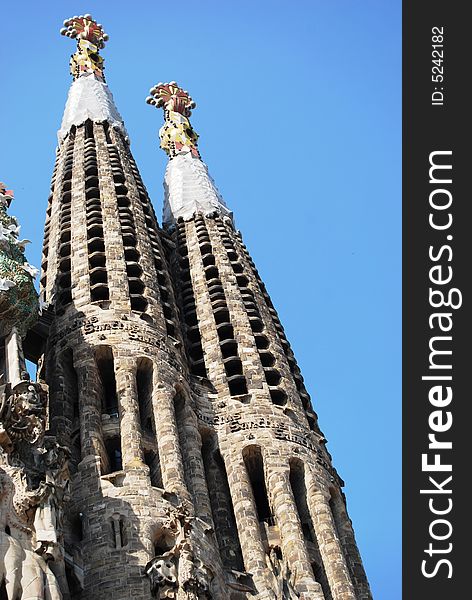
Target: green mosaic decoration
column 18, row 297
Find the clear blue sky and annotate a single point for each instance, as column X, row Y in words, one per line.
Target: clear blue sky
column 298, row 109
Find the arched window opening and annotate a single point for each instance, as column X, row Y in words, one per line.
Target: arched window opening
column 144, row 392
column 255, row 469
column 221, row 505
column 106, row 369
column 151, row 458
column 119, row 529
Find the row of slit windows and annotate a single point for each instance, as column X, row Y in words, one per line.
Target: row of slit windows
column 272, row 375
column 128, row 230
column 294, row 369
column 95, row 235
column 99, row 291
column 189, row 309
column 163, row 280
column 64, row 293
column 47, row 230
column 228, row 344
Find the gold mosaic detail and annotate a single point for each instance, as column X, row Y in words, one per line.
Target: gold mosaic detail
column 177, row 135
column 90, row 38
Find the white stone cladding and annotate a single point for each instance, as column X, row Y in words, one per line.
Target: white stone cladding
column 91, row 99
column 189, row 189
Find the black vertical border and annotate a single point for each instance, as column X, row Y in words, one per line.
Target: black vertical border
column 428, row 128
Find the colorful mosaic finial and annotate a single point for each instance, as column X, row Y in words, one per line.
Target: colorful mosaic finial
column 90, row 39
column 177, row 135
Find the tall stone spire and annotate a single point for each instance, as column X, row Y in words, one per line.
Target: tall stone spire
column 188, row 186
column 278, row 508
column 120, row 396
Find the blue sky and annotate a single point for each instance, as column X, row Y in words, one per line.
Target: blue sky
column 298, row 111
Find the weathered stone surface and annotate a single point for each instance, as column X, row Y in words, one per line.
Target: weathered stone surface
column 197, row 467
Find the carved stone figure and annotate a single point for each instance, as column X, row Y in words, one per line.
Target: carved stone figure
column 282, row 577
column 25, row 573
column 48, row 521
column 162, row 572
column 178, row 573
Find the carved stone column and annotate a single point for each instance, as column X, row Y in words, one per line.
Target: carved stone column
column 332, row 556
column 90, row 404
column 293, row 545
column 192, row 450
column 348, row 543
column 170, row 456
column 130, row 427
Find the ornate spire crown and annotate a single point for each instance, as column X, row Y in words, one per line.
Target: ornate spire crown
column 177, row 135
column 90, row 38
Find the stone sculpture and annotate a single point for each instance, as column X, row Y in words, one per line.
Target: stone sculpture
column 33, row 468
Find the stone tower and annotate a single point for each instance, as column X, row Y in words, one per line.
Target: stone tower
column 276, row 500
column 197, row 469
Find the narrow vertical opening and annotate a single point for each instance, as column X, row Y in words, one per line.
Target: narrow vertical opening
column 221, row 505
column 106, row 369
column 144, row 391
column 73, row 583
column 88, row 129
column 70, row 386
column 255, row 469
column 113, row 449
column 297, row 483
column 3, row 591
column 180, row 418
column 76, row 451
column 76, row 527
column 151, row 458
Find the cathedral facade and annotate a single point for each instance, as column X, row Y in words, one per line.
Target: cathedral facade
column 168, row 448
